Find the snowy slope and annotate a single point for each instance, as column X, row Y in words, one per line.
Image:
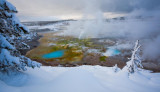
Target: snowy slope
column 81, row 79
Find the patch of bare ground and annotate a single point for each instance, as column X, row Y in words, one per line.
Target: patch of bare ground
column 32, row 43
column 151, row 65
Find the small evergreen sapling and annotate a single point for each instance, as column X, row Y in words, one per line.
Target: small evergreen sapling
column 116, row 68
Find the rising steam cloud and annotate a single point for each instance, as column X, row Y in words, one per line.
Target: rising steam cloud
column 145, row 28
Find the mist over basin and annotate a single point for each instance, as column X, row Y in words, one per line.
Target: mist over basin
column 111, row 52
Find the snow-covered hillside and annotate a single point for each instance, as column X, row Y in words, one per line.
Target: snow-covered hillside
column 80, row 79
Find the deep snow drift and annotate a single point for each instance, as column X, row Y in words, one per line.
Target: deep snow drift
column 80, row 79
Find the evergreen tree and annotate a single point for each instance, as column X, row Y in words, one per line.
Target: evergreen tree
column 12, row 33
column 116, row 68
column 135, row 61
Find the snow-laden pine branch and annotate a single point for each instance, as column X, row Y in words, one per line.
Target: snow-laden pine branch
column 12, row 33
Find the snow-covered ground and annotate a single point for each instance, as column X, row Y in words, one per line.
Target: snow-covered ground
column 80, row 79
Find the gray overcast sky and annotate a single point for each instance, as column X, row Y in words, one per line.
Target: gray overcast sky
column 76, row 8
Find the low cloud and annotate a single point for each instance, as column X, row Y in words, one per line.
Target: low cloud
column 78, row 7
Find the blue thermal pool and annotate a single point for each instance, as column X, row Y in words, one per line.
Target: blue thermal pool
column 111, row 52
column 55, row 54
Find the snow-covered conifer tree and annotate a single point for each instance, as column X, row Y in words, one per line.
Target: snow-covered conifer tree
column 11, row 36
column 135, row 61
column 116, row 68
